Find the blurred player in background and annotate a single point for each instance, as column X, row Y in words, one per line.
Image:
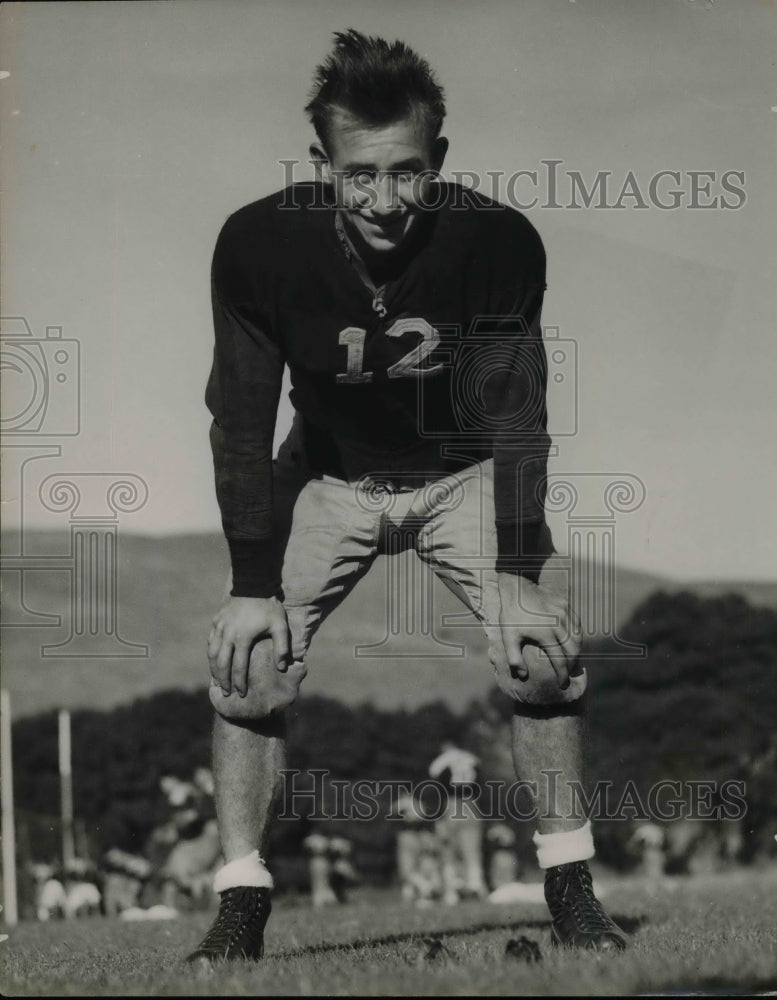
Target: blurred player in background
column 460, row 829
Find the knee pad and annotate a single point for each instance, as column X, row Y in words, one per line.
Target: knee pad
column 541, row 687
column 269, row 689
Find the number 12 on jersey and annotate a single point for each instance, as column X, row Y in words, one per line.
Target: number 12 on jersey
column 353, row 337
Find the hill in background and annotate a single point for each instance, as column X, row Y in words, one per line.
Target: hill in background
column 697, row 712
column 170, row 587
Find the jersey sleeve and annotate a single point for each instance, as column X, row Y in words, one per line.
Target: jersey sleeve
column 516, row 403
column 242, row 394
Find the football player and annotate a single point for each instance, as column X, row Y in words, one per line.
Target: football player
column 408, row 313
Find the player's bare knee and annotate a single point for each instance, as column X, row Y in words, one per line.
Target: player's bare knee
column 270, row 689
column 541, row 687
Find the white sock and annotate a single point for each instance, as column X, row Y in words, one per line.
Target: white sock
column 562, row 848
column 247, row 871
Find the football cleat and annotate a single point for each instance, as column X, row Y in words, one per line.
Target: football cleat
column 579, row 919
column 238, row 930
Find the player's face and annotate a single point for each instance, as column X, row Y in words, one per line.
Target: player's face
column 381, row 177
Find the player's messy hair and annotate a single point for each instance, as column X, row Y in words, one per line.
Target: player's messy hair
column 377, row 81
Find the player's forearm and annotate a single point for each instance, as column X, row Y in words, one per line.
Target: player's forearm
column 519, row 546
column 255, row 568
column 521, row 449
column 243, row 394
column 244, row 491
column 520, row 483
column 522, row 442
column 253, row 551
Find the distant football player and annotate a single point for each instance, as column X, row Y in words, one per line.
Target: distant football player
column 408, row 313
column 316, row 847
column 460, row 828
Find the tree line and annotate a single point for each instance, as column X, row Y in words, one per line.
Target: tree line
column 699, row 707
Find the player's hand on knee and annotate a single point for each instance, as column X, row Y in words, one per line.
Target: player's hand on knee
column 236, row 627
column 540, row 616
column 269, row 689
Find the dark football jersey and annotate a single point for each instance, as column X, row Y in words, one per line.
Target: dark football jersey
column 445, row 369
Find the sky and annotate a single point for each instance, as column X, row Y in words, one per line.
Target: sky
column 132, row 130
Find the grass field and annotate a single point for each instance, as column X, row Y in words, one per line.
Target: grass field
column 717, row 935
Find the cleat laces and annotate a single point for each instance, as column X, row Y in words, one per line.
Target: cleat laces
column 586, row 908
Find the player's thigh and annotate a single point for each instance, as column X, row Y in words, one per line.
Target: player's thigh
column 332, row 543
column 459, row 543
column 332, row 538
column 458, row 540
